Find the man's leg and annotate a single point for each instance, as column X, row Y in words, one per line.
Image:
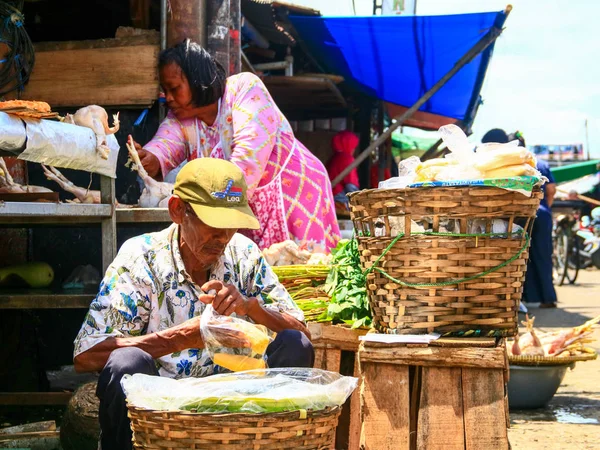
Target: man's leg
column 114, row 423
column 291, row 348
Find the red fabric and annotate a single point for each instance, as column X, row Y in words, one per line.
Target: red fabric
column 343, row 144
column 375, row 176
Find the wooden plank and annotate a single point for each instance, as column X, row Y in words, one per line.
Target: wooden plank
column 109, row 224
column 45, row 299
column 440, row 422
column 29, row 435
column 343, row 338
column 482, row 342
column 355, row 420
column 34, row 398
column 319, row 358
column 52, row 212
column 47, row 425
column 112, row 76
column 485, row 414
column 143, row 215
column 479, row 342
column 89, row 44
column 435, row 356
column 384, row 407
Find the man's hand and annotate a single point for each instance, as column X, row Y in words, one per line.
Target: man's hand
column 148, row 160
column 227, row 299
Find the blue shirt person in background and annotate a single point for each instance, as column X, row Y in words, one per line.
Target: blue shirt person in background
column 538, row 281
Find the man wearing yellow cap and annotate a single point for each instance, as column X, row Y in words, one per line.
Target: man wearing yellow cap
column 146, row 317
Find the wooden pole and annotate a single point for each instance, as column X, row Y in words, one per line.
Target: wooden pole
column 480, row 46
column 186, row 20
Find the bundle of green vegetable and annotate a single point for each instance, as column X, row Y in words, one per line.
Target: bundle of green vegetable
column 346, row 285
column 305, row 284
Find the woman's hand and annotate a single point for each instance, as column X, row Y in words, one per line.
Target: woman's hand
column 227, row 299
column 149, row 161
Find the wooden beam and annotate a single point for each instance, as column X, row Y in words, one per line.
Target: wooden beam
column 109, row 224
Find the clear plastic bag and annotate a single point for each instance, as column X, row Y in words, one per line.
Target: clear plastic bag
column 255, row 391
column 233, row 343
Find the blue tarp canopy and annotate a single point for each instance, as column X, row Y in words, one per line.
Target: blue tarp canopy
column 399, row 58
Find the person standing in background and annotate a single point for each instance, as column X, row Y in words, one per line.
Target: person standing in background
column 343, row 145
column 538, row 287
column 538, row 282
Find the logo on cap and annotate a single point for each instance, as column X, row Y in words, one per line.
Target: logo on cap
column 230, row 194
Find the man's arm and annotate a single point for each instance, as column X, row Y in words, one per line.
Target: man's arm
column 550, row 193
column 177, row 338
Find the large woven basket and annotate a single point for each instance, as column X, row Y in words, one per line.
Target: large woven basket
column 454, row 283
column 178, row 430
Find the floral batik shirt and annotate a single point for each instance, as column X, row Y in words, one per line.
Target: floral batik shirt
column 147, row 289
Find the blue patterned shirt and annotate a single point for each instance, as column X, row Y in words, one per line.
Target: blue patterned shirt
column 147, row 289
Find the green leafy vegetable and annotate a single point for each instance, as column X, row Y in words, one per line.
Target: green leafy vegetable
column 346, row 285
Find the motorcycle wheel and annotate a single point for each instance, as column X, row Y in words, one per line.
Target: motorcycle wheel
column 573, row 259
column 560, row 242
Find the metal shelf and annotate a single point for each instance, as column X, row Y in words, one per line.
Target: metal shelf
column 46, row 298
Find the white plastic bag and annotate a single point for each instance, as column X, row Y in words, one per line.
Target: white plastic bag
column 233, row 343
column 255, row 391
column 68, row 146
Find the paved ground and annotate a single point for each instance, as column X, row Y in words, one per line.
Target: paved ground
column 572, row 419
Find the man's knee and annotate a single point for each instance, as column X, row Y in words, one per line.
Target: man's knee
column 122, row 361
column 130, row 360
column 297, row 347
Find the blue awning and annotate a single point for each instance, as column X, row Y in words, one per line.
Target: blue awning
column 399, row 58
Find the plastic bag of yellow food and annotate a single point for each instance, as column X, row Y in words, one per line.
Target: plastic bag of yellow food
column 502, row 157
column 232, row 343
column 512, row 171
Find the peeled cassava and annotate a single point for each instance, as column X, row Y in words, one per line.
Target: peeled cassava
column 511, row 171
column 238, row 363
column 512, row 156
column 32, row 274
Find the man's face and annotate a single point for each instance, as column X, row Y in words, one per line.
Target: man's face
column 205, row 243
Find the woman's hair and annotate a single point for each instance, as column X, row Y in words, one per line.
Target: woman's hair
column 205, row 75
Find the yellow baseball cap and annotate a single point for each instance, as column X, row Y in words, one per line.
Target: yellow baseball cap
column 216, row 191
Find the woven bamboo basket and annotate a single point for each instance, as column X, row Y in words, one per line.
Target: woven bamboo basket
column 178, row 430
column 452, row 282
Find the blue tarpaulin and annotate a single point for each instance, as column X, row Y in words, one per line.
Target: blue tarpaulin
column 399, row 58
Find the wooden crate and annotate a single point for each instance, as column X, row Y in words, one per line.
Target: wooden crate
column 449, row 395
column 336, row 350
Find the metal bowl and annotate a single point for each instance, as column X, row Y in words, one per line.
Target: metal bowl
column 531, row 387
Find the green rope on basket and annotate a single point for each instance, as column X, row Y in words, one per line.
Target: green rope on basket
column 450, row 282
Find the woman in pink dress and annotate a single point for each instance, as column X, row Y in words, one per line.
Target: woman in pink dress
column 235, row 118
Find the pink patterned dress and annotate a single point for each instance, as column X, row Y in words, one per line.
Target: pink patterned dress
column 288, row 187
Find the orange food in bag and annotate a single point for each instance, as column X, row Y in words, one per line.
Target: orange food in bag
column 238, row 363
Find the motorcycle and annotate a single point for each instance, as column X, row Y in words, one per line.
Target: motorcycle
column 588, row 240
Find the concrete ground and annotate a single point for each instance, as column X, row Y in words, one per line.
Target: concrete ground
column 572, row 419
